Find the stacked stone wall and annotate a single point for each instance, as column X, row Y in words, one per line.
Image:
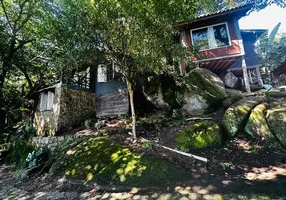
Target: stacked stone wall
column 75, row 107
column 52, row 142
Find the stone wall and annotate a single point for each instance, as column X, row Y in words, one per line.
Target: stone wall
column 75, row 107
column 71, row 107
column 52, row 142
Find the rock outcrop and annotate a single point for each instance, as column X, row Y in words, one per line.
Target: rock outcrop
column 199, row 92
column 230, row 80
column 276, row 118
column 204, row 92
column 236, row 116
column 257, row 125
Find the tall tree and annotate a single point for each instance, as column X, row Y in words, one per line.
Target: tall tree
column 16, row 32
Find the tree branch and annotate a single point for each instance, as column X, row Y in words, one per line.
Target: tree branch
column 22, row 43
column 6, row 14
column 21, row 11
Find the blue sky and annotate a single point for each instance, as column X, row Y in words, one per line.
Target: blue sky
column 265, row 19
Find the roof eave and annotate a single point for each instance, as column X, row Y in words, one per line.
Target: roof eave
column 244, row 8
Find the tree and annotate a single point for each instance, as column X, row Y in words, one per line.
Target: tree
column 17, row 20
column 138, row 36
column 271, row 50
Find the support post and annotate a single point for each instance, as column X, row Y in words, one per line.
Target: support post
column 245, row 75
column 258, row 75
column 250, row 77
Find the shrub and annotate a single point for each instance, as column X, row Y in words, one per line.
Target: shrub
column 89, row 123
column 19, row 153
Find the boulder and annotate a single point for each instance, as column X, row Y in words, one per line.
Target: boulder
column 276, row 118
column 200, row 135
column 232, row 97
column 199, row 92
column 257, row 125
column 230, row 80
column 235, row 117
column 204, row 92
column 160, row 91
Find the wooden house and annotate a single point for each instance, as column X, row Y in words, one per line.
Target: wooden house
column 220, row 43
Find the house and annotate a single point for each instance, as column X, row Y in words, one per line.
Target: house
column 98, row 91
column 91, row 93
column 221, row 45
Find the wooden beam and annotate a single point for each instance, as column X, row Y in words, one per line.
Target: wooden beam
column 258, row 75
column 245, row 76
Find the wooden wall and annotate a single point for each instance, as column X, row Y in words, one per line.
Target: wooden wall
column 112, row 103
column 234, row 32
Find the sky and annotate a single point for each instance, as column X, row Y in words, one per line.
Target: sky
column 267, row 18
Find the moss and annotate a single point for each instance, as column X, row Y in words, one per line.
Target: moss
column 277, row 121
column 200, row 135
column 236, row 116
column 106, row 163
column 257, row 125
column 231, row 98
column 206, row 84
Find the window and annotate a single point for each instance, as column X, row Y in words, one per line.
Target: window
column 82, row 79
column 211, row 37
column 47, row 101
column 106, row 73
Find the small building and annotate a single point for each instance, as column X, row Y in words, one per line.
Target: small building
column 91, row 93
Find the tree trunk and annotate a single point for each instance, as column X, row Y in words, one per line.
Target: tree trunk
column 131, row 98
column 2, row 100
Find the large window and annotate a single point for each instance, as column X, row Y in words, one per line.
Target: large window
column 211, row 37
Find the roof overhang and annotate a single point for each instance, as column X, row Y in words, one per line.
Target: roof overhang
column 237, row 12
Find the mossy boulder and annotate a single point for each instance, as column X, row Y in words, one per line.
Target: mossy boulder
column 200, row 135
column 106, row 163
column 203, row 92
column 257, row 125
column 276, row 118
column 236, row 116
column 232, row 97
column 160, row 90
column 199, row 92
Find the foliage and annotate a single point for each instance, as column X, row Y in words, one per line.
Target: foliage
column 225, row 166
column 25, row 130
column 200, row 135
column 147, row 145
column 19, row 153
column 37, row 157
column 271, row 50
column 89, row 123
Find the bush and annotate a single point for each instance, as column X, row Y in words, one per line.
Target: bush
column 25, row 130
column 37, row 157
column 19, row 153
column 89, row 123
